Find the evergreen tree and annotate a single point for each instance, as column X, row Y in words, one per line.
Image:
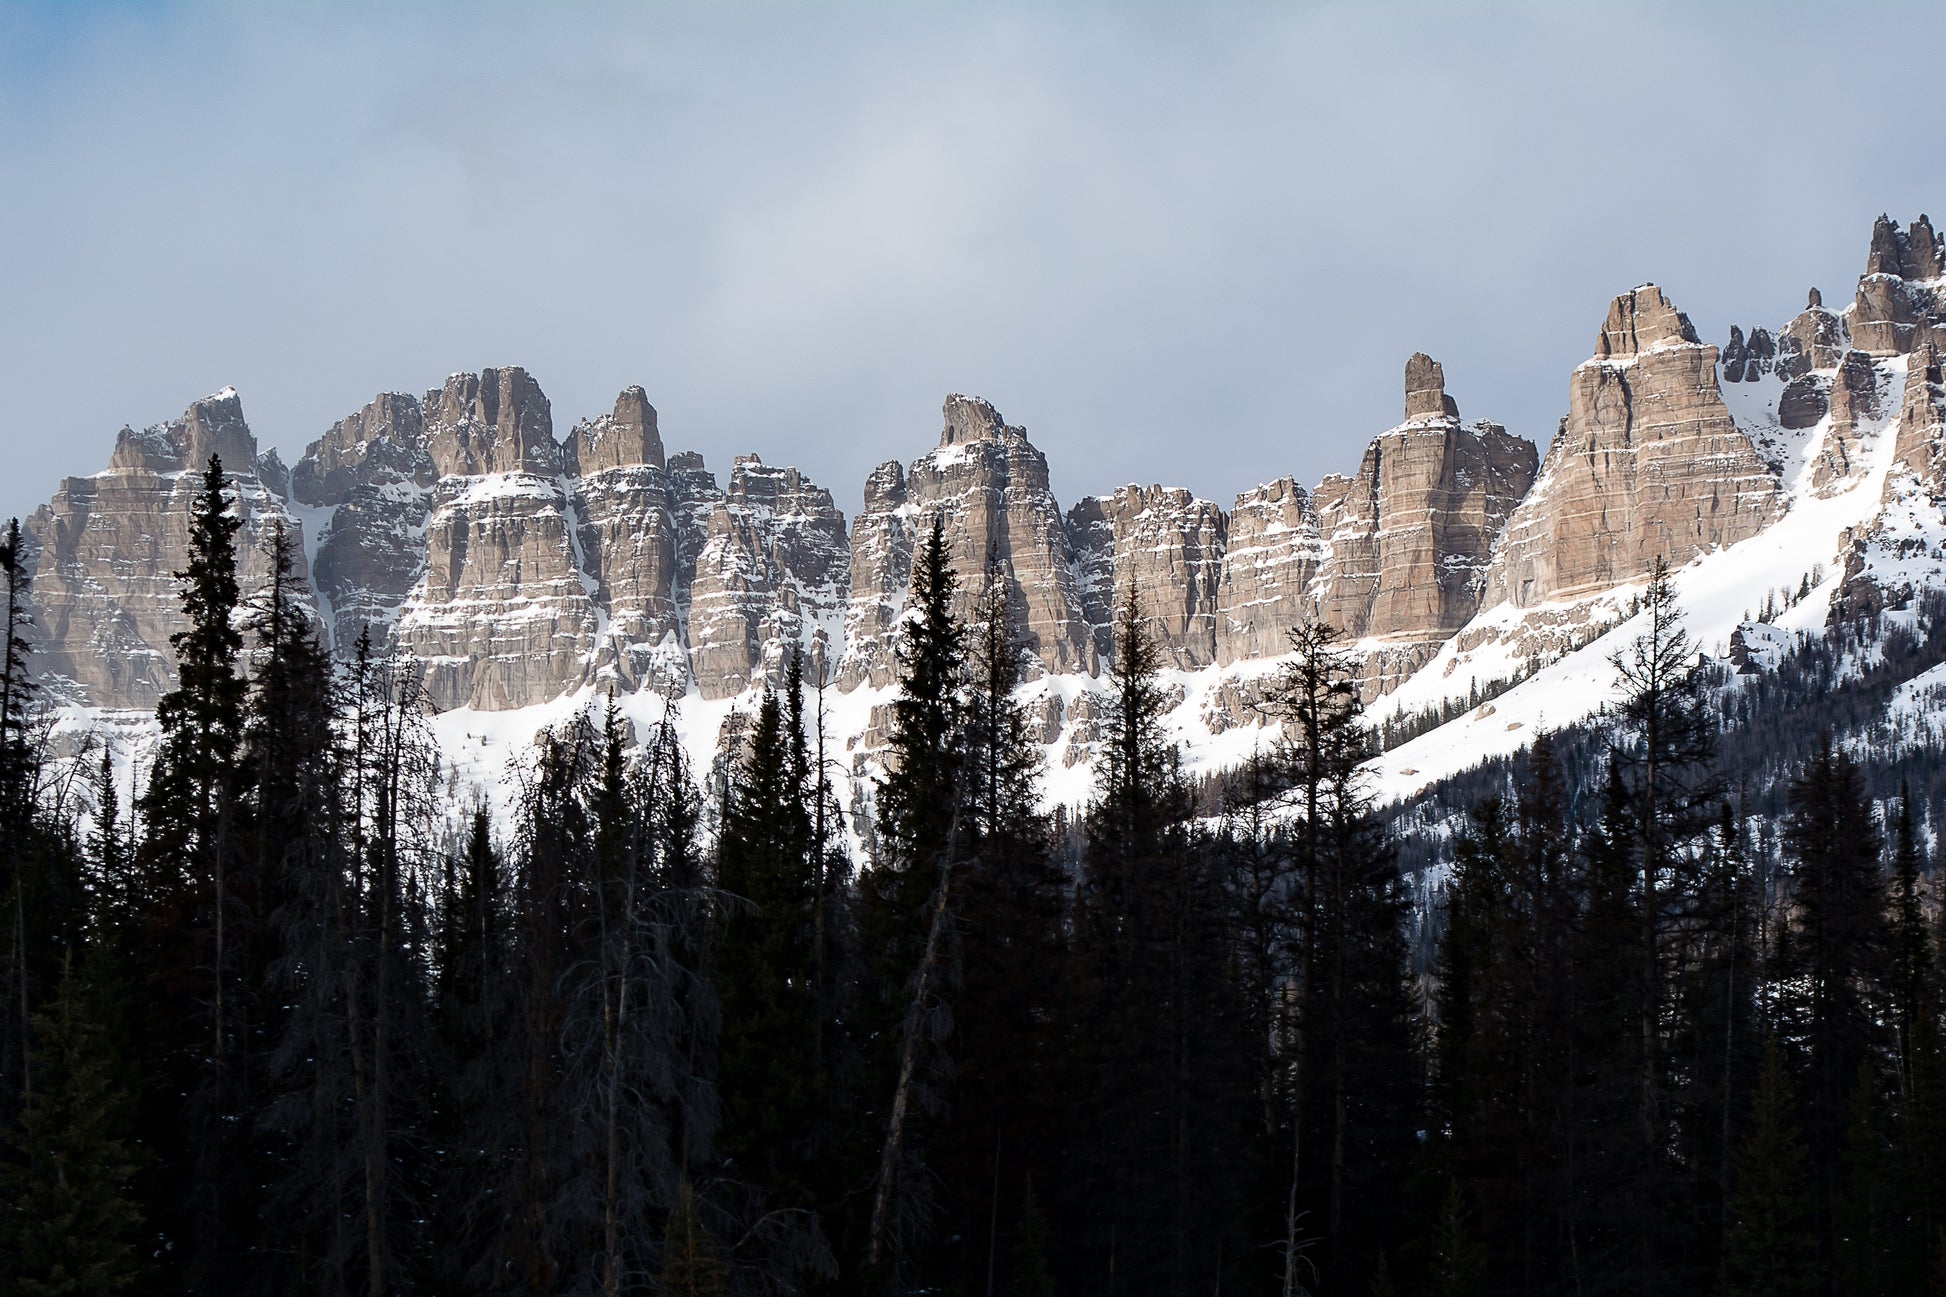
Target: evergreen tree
column 1001, row 1120
column 69, row 1223
column 691, row 1265
column 1163, row 1096
column 769, row 1067
column 1772, row 1244
column 1459, row 1263
column 1839, row 941
column 1354, row 1066
column 1911, row 979
column 1665, row 751
column 908, row 904
column 189, row 850
column 1608, row 1163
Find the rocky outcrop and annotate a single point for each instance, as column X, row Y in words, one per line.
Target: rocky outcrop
column 1852, row 400
column 105, row 550
column 372, row 472
column 505, row 613
column 773, row 577
column 1648, row 464
column 1747, row 360
column 1269, row 568
column 1901, row 291
column 881, row 571
column 987, row 485
column 1409, row 536
column 1164, row 546
column 629, row 543
column 1921, row 446
column 1394, row 555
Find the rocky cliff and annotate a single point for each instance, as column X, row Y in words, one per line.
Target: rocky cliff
column 106, row 548
column 518, row 569
column 1647, row 464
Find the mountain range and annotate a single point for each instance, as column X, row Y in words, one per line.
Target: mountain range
column 1792, row 475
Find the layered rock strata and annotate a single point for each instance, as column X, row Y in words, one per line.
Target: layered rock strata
column 986, row 485
column 105, row 550
column 1168, row 548
column 773, row 576
column 504, row 614
column 1648, row 464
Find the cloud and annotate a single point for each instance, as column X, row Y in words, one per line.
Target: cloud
column 1182, row 245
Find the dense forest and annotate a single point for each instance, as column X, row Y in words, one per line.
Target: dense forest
column 289, row 1020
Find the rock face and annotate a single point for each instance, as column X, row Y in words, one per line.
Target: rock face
column 372, row 472
column 1921, row 446
column 514, row 568
column 1409, row 536
column 1266, row 587
column 1648, row 464
column 773, row 576
column 1900, row 295
column 1167, row 547
column 105, row 550
column 987, row 485
column 505, row 614
column 629, row 543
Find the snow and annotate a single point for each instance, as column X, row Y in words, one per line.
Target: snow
column 1715, row 592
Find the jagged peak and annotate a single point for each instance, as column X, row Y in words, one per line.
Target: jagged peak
column 495, row 421
column 972, row 418
column 212, row 425
column 1912, row 253
column 1425, row 390
column 1641, row 319
column 626, row 438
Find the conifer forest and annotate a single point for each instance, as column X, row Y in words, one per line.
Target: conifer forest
column 281, row 1015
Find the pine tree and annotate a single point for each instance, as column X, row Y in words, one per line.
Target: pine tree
column 1863, row 1215
column 189, row 850
column 908, row 902
column 1354, row 1092
column 69, row 1224
column 769, row 1067
column 1772, row 1245
column 1608, row 1165
column 1030, row 1274
column 22, row 882
column 1665, row 751
column 1911, row 978
column 1839, row 941
column 1458, row 1261
column 1001, row 1124
column 691, row 1263
column 1163, row 1103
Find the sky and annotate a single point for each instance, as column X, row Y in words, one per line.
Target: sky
column 1190, row 244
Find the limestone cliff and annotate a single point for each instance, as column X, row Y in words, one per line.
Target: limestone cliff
column 987, row 485
column 104, row 553
column 1647, row 464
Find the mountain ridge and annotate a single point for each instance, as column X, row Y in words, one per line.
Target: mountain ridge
column 523, row 572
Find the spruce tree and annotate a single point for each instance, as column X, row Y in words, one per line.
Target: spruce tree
column 1665, row 751
column 1354, row 1090
column 1163, row 1098
column 189, row 850
column 1772, row 1244
column 908, row 904
column 1838, row 941
column 768, row 1066
column 69, row 1222
column 1000, row 1125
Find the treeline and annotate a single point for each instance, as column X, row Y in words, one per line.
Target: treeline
column 293, row 1022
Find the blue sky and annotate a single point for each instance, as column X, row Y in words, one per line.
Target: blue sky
column 1185, row 244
